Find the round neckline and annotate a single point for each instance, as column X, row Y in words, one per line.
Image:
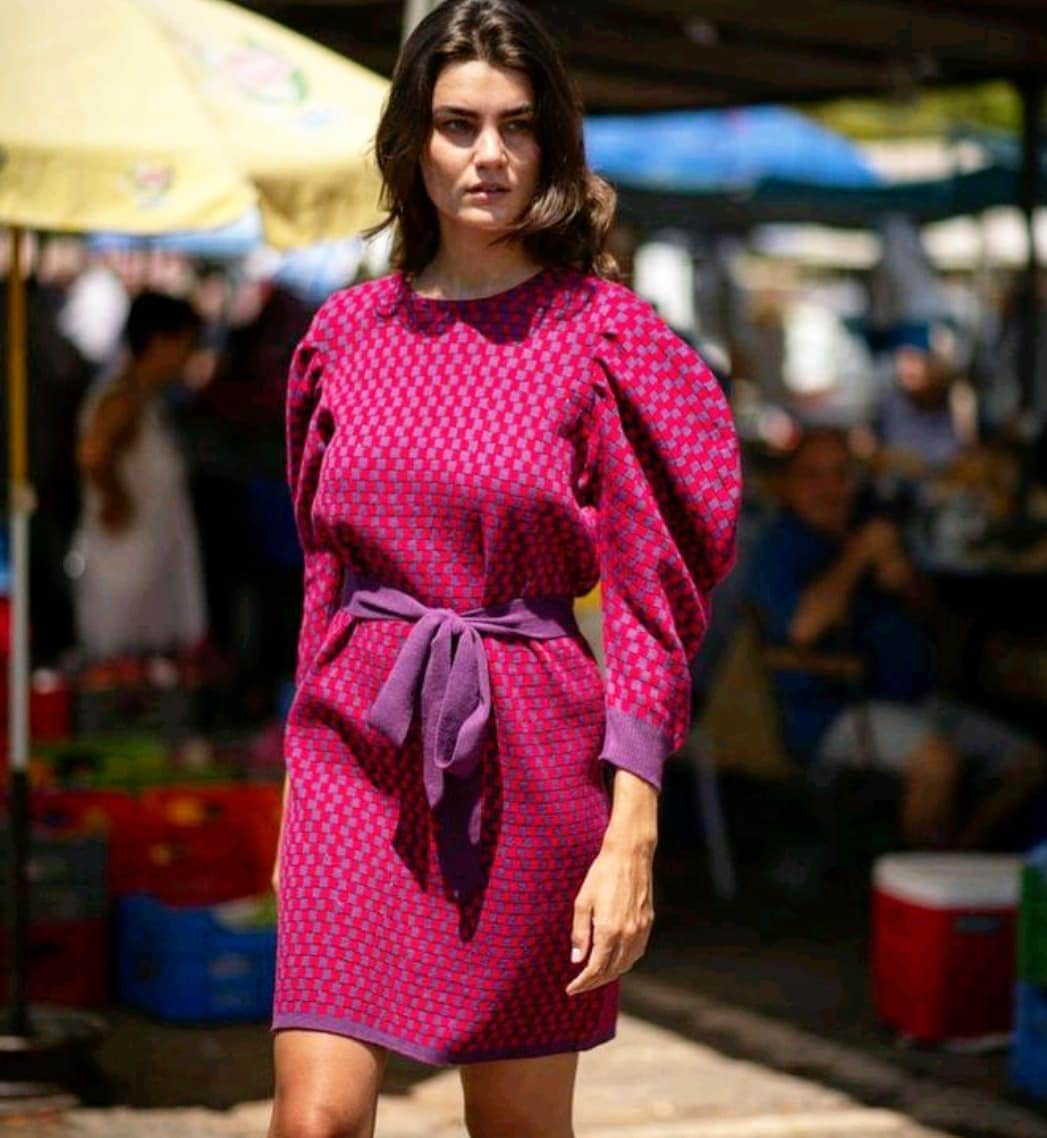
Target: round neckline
column 452, row 301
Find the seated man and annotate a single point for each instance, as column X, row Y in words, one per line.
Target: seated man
column 822, row 579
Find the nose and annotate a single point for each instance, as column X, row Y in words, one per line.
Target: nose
column 489, row 148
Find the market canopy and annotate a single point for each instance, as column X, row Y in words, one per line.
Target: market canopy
column 783, row 200
column 703, row 151
column 649, row 54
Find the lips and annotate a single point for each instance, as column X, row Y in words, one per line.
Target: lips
column 488, row 188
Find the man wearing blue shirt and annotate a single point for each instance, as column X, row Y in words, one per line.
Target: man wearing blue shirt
column 821, row 578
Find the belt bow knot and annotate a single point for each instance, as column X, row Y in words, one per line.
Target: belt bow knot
column 442, row 664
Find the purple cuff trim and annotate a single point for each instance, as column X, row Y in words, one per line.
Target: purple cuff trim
column 635, row 745
column 431, row 1055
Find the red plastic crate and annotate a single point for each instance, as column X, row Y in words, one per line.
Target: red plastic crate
column 944, row 940
column 68, row 962
column 50, row 706
column 207, row 844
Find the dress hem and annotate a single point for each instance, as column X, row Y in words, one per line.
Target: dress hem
column 431, row 1055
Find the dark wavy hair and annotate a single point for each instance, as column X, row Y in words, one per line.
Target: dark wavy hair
column 570, row 215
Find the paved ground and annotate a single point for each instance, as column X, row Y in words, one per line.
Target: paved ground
column 647, row 1083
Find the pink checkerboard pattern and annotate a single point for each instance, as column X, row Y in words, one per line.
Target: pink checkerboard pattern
column 468, row 452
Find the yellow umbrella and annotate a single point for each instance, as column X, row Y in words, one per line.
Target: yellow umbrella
column 151, row 115
column 145, row 116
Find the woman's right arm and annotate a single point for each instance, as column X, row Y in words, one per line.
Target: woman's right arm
column 107, row 435
column 308, row 432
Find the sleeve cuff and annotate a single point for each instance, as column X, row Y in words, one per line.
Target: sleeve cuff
column 635, row 746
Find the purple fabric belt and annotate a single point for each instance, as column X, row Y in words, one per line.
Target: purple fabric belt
column 443, row 661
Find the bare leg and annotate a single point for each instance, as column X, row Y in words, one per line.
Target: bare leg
column 1021, row 779
column 520, row 1098
column 931, row 777
column 326, row 1085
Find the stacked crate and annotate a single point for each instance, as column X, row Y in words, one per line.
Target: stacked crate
column 200, row 963
column 158, row 896
column 197, row 940
column 68, row 917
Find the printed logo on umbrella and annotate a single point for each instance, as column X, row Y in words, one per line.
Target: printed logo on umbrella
column 149, row 183
column 263, row 74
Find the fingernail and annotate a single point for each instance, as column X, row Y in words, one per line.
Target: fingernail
column 576, row 954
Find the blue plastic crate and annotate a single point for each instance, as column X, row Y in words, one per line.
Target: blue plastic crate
column 194, row 964
column 1029, row 1047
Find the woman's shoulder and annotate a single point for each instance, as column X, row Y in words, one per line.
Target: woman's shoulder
column 625, row 323
column 344, row 310
column 613, row 306
column 606, row 306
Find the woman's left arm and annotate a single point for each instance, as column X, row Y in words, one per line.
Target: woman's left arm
column 661, row 474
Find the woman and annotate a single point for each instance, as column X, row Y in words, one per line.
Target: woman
column 474, row 440
column 135, row 559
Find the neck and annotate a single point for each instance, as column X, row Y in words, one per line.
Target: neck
column 468, row 264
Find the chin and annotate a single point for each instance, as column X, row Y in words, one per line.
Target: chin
column 483, row 224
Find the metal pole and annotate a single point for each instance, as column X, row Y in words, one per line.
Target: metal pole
column 20, row 507
column 414, row 12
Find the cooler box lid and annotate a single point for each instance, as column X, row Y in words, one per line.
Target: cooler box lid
column 951, row 880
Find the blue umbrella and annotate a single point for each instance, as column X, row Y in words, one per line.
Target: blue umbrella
column 733, row 150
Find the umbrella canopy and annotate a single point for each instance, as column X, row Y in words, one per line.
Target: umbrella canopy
column 150, row 115
column 700, row 151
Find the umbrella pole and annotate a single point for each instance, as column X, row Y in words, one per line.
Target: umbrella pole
column 19, row 510
column 414, row 12
column 39, row 1052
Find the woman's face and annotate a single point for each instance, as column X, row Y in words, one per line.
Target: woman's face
column 481, row 164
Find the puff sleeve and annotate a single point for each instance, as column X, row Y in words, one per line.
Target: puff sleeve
column 309, row 426
column 665, row 487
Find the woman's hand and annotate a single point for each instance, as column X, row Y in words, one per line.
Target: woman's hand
column 614, row 909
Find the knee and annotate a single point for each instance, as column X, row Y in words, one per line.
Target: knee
column 502, row 1120
column 298, row 1119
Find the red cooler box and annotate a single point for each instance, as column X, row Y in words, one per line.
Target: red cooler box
column 943, row 951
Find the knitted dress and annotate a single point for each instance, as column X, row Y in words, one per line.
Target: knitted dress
column 463, row 454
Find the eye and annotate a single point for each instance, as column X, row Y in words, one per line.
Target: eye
column 456, row 126
column 519, row 126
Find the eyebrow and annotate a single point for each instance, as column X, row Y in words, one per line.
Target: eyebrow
column 465, row 112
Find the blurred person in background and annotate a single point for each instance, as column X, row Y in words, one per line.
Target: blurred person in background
column 927, row 416
column 823, row 577
column 135, row 561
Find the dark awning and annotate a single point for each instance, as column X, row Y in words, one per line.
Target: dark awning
column 646, row 54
